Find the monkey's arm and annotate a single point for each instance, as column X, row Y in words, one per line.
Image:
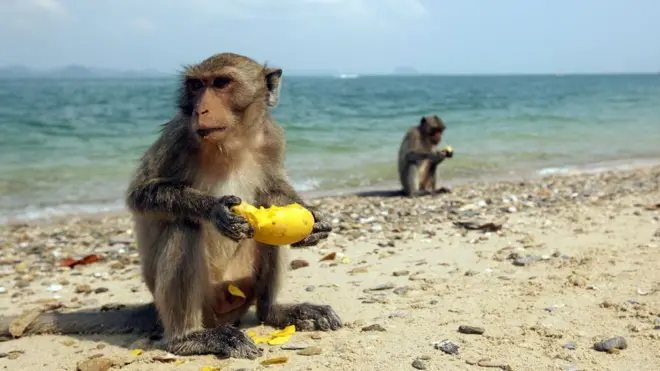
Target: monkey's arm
column 175, row 200
column 436, row 157
column 172, row 198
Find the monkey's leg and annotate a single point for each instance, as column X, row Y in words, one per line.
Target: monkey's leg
column 182, row 284
column 433, row 180
column 305, row 316
column 411, row 180
column 416, row 180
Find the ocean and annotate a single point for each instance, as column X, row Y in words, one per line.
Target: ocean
column 70, row 146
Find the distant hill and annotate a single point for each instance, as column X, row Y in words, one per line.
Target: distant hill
column 74, row 72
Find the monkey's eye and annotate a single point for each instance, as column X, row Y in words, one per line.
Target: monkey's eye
column 195, row 85
column 221, row 82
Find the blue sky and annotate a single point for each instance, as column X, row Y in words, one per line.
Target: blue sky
column 438, row 36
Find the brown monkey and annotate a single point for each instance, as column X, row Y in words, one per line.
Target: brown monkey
column 222, row 147
column 419, row 156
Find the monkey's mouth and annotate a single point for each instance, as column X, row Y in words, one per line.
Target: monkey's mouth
column 205, row 132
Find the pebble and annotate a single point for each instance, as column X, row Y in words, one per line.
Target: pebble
column 294, row 346
column 121, row 240
column 299, row 263
column 14, row 354
column 358, row 270
column 54, row 288
column 570, row 368
column 474, row 330
column 447, row 347
column 526, row 260
column 83, row 289
column 384, row 286
column 400, row 273
column 609, row 345
column 487, row 363
column 96, row 364
column 100, row 290
column 374, row 327
column 570, row 346
column 310, row 288
column 310, row 351
column 419, row 364
column 398, row 315
column 401, row 290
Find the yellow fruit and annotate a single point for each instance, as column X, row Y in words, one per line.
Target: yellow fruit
column 235, row 291
column 287, row 331
column 449, row 149
column 275, row 360
column 279, row 340
column 277, row 225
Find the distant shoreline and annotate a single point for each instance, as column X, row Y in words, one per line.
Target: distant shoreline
column 6, row 75
column 392, row 189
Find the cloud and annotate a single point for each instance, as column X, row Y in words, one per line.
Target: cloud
column 52, row 7
column 30, row 16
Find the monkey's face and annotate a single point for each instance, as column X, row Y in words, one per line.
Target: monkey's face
column 436, row 135
column 433, row 127
column 212, row 106
column 223, row 96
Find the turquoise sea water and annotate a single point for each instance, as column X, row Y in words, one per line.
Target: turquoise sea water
column 69, row 146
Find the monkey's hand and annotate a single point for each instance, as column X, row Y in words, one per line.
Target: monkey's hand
column 320, row 231
column 229, row 223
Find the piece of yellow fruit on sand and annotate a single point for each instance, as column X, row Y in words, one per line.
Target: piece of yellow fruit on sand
column 275, row 360
column 287, row 331
column 235, row 291
column 277, row 225
column 279, row 340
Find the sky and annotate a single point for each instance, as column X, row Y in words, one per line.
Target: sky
column 349, row 36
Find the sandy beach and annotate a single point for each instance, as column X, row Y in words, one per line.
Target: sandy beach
column 544, row 269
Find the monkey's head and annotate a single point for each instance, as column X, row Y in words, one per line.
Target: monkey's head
column 432, row 127
column 226, row 94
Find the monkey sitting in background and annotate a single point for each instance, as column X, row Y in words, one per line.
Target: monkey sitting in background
column 222, row 147
column 419, row 157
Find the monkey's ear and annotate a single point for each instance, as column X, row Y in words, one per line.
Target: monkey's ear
column 273, row 83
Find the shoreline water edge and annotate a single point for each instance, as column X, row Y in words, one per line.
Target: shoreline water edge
column 392, row 189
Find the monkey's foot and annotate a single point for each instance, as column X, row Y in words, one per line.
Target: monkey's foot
column 225, row 341
column 305, row 316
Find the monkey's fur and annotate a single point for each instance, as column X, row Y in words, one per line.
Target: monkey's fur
column 221, row 148
column 419, row 157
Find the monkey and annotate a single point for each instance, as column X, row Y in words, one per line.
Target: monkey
column 221, row 148
column 419, row 157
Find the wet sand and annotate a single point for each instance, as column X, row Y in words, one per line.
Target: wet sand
column 546, row 267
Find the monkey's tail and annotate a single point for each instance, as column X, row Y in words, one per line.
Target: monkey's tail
column 133, row 319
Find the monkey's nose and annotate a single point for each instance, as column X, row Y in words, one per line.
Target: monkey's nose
column 203, row 112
